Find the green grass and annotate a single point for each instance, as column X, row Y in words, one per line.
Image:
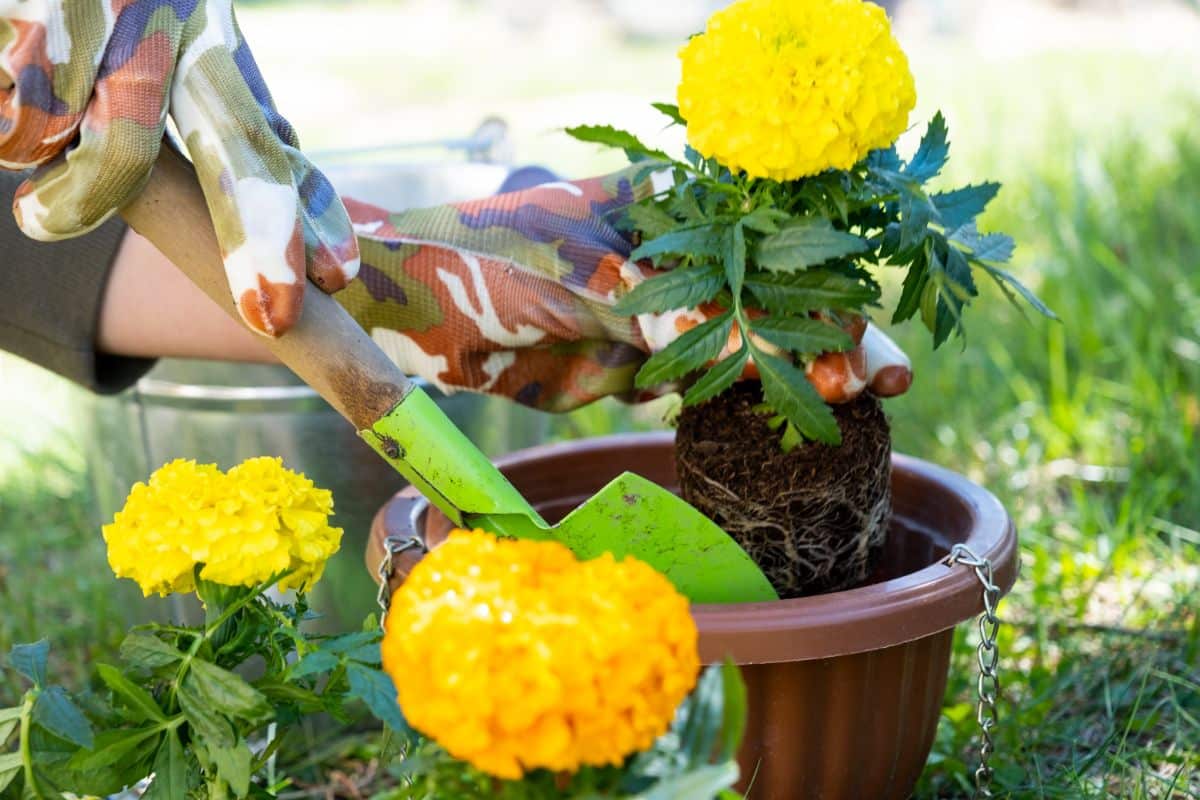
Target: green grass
column 1087, row 429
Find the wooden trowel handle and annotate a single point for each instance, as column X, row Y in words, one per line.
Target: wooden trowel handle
column 326, row 348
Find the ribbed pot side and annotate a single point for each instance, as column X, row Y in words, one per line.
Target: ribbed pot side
column 845, row 689
column 854, row 726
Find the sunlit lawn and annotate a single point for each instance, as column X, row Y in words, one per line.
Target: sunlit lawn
column 1086, row 429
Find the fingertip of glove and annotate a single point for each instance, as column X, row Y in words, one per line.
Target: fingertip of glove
column 273, row 308
column 331, row 270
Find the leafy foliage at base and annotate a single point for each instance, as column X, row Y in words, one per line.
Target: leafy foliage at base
column 179, row 707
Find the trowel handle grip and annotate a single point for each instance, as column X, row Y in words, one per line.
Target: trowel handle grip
column 326, row 348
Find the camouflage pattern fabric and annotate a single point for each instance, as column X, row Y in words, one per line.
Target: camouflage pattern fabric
column 86, row 87
column 508, row 295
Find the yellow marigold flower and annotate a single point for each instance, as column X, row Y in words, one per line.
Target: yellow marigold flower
column 784, row 89
column 514, row 655
column 240, row 528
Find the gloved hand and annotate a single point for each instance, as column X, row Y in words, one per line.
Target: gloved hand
column 513, row 295
column 89, row 86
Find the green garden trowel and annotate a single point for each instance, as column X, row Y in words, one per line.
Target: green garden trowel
column 329, row 351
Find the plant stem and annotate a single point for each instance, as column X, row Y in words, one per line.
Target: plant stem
column 31, row 784
column 209, row 630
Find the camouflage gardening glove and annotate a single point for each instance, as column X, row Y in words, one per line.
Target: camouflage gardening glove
column 85, row 90
column 508, row 295
column 513, row 295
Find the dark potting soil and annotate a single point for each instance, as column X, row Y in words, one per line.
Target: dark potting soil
column 814, row 519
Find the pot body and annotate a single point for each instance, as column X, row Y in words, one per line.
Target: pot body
column 852, row 726
column 845, row 689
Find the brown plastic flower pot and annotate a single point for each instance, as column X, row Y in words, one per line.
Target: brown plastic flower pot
column 845, row 688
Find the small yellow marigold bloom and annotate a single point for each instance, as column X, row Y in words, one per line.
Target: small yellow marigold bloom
column 784, row 89
column 240, row 528
column 514, row 655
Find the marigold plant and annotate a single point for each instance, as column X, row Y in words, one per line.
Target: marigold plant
column 241, row 527
column 785, row 89
column 788, row 205
column 513, row 655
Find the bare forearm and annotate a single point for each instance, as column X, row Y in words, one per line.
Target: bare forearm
column 152, row 310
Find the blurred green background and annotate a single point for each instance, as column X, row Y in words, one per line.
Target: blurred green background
column 1087, row 429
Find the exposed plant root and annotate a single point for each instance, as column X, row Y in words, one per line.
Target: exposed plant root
column 814, row 519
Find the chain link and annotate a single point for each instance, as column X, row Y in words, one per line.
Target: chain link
column 988, row 656
column 392, row 547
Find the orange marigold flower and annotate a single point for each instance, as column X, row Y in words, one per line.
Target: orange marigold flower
column 514, row 655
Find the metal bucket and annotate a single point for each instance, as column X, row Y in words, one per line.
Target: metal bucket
column 223, row 413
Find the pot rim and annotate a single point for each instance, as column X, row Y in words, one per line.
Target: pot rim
column 872, row 617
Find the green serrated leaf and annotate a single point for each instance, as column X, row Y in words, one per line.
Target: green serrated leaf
column 957, row 208
column 945, row 323
column 140, row 701
column 913, row 290
column 735, row 258
column 650, row 220
column 997, row 247
column 685, row 287
column 684, row 204
column 170, row 771
column 718, row 378
column 916, row 213
column 788, row 391
column 111, row 747
column 10, row 718
column 351, row 641
column 806, row 242
column 367, row 654
column 10, row 767
column 55, row 711
column 305, row 700
column 765, row 219
column 698, row 737
column 932, row 153
column 929, row 297
column 313, row 663
column 671, row 111
column 1003, row 278
column 378, row 692
column 147, row 651
column 699, row 242
column 613, row 137
column 706, row 781
column 228, row 692
column 207, row 722
column 813, row 290
column 801, row 334
column 233, row 766
column 791, row 438
column 958, row 271
column 30, row 660
column 734, row 709
column 688, row 353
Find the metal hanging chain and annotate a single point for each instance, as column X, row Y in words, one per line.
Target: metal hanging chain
column 392, row 547
column 988, row 655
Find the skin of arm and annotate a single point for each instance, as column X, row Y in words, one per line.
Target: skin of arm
column 152, row 310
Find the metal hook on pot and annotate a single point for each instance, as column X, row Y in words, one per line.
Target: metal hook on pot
column 392, row 547
column 988, row 655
